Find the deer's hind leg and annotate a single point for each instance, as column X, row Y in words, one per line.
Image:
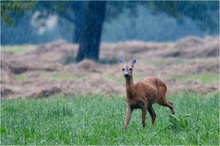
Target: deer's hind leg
column 170, row 103
column 144, row 110
column 152, row 114
column 164, row 102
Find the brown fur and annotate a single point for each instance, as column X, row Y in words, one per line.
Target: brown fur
column 143, row 94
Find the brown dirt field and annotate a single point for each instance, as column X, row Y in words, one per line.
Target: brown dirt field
column 190, row 64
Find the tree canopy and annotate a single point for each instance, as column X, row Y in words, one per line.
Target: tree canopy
column 10, row 10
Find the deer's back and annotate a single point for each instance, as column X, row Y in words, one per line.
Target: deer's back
column 157, row 83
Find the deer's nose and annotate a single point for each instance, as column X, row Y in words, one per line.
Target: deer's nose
column 126, row 75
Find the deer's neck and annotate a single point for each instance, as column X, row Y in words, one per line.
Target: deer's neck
column 130, row 88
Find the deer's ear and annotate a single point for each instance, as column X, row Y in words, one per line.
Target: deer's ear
column 133, row 61
column 122, row 60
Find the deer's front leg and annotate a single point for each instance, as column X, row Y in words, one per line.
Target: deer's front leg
column 128, row 117
column 144, row 110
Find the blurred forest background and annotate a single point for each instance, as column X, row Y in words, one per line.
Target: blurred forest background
column 46, row 21
column 88, row 23
column 41, row 22
column 54, row 46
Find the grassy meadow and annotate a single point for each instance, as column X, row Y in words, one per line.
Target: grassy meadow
column 94, row 119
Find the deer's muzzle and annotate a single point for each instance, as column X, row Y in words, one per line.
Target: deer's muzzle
column 126, row 76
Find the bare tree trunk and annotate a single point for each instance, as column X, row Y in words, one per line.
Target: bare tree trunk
column 79, row 8
column 92, row 30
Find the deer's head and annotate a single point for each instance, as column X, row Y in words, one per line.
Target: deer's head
column 127, row 68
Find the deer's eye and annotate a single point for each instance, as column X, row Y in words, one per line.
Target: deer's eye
column 130, row 69
column 123, row 69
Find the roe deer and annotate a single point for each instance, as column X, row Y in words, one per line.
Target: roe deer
column 143, row 94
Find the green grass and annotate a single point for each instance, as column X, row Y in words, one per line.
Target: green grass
column 20, row 77
column 99, row 120
column 114, row 79
column 202, row 78
column 17, row 49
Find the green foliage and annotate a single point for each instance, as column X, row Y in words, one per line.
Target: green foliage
column 10, row 8
column 98, row 120
column 179, row 121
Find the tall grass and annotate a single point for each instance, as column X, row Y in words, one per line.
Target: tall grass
column 99, row 120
